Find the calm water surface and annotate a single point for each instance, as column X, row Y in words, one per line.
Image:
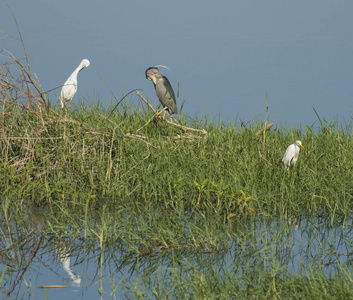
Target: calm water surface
column 92, row 271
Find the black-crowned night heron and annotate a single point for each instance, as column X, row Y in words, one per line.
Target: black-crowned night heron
column 69, row 88
column 291, row 155
column 164, row 90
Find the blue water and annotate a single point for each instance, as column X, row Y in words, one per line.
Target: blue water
column 294, row 247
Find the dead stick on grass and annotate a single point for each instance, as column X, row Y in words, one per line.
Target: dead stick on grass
column 203, row 131
column 264, row 130
column 127, row 135
column 139, row 137
column 21, row 106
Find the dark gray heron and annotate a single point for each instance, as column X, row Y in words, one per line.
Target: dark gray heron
column 164, row 90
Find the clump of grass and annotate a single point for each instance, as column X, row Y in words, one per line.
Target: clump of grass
column 66, row 159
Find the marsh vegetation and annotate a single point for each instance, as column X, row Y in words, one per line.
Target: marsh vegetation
column 204, row 210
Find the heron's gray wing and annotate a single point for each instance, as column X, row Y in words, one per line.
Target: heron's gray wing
column 169, row 96
column 169, row 88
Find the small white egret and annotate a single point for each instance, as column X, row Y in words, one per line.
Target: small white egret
column 69, row 88
column 291, row 155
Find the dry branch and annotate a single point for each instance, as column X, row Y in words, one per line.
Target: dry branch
column 140, row 138
column 264, row 130
column 184, row 128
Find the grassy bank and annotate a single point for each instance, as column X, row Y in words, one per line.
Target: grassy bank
column 49, row 157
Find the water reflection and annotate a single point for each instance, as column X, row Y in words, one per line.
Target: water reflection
column 18, row 251
column 114, row 266
column 64, row 256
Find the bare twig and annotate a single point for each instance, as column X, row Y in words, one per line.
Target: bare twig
column 19, row 32
column 9, row 35
column 144, row 100
column 27, row 75
column 203, row 131
column 121, row 100
column 104, row 83
column 262, row 131
column 140, row 138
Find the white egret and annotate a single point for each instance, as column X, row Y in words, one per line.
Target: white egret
column 291, row 155
column 69, row 88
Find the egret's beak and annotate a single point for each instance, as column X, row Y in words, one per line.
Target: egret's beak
column 301, row 146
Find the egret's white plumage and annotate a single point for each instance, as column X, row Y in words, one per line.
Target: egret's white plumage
column 291, row 155
column 69, row 88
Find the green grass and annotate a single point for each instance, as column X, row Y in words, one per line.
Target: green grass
column 172, row 207
column 49, row 159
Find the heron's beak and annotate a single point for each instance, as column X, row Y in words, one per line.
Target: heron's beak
column 301, row 146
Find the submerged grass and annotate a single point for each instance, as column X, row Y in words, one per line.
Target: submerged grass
column 172, row 255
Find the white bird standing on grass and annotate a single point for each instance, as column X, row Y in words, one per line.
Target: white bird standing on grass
column 291, row 155
column 69, row 88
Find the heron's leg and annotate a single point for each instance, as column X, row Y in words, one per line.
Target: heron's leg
column 159, row 113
